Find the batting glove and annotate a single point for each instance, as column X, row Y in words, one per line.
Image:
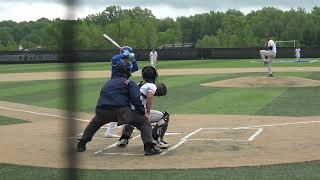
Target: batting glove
column 126, row 53
column 132, row 57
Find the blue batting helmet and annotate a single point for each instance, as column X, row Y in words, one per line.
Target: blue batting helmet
column 123, row 48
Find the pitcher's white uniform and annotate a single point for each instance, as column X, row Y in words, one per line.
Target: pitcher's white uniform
column 153, row 57
column 298, row 53
column 268, row 55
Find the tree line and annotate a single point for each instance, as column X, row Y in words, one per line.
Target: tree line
column 139, row 28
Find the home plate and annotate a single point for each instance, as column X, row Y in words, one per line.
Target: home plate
column 172, row 134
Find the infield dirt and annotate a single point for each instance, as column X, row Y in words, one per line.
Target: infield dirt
column 41, row 142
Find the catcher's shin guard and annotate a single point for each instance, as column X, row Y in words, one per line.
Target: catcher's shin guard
column 161, row 127
column 127, row 131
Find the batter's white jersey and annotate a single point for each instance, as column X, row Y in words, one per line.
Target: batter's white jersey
column 273, row 45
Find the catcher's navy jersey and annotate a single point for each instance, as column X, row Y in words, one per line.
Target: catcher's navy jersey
column 120, row 92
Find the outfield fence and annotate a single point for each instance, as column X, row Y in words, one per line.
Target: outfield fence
column 21, row 57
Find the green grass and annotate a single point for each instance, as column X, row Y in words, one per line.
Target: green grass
column 300, row 101
column 232, row 101
column 185, row 95
column 294, row 171
column 101, row 66
column 9, row 121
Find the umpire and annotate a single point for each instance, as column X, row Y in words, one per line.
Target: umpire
column 114, row 105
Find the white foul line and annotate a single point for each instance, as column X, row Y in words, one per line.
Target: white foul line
column 216, row 128
column 50, row 115
column 182, row 140
column 113, row 145
column 216, row 140
column 274, row 125
column 42, row 114
column 124, row 154
column 251, row 138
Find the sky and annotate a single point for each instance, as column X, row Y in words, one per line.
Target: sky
column 31, row 10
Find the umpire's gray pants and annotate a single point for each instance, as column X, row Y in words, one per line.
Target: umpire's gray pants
column 123, row 116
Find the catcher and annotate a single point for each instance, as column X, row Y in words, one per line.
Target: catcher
column 159, row 120
column 114, row 106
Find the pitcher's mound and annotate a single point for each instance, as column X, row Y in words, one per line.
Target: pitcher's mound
column 259, row 81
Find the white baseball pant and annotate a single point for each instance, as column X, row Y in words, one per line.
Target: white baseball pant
column 268, row 56
column 153, row 63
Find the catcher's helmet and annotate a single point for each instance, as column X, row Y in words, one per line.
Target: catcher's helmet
column 149, row 74
column 123, row 48
column 122, row 69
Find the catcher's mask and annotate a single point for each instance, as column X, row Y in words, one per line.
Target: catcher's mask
column 149, row 74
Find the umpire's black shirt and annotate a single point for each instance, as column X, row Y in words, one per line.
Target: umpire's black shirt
column 120, row 92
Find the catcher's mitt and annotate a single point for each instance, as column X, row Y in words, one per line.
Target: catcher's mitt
column 161, row 89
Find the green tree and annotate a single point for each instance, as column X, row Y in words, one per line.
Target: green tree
column 208, row 42
column 6, row 40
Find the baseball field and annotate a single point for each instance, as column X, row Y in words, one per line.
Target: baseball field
column 228, row 121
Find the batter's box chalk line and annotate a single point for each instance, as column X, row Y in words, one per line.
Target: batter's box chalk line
column 187, row 137
column 103, row 151
column 251, row 138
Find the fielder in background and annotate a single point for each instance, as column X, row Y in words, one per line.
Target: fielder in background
column 153, row 57
column 159, row 120
column 116, row 97
column 298, row 53
column 127, row 56
column 268, row 55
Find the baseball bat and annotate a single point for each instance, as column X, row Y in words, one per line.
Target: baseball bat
column 111, row 40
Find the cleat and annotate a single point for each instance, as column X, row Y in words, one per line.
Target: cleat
column 162, row 145
column 270, row 75
column 123, row 143
column 81, row 146
column 151, row 149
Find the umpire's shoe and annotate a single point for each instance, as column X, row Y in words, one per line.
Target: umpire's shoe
column 81, row 146
column 151, row 149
